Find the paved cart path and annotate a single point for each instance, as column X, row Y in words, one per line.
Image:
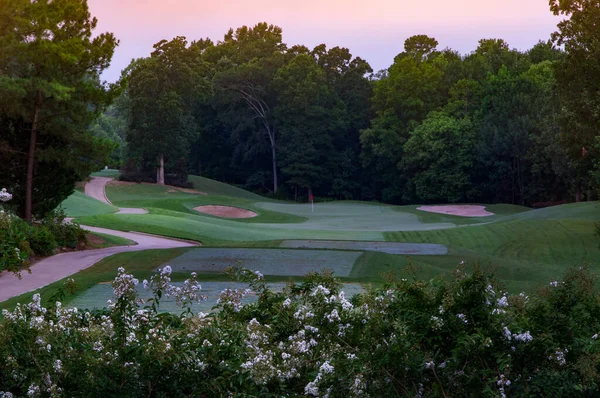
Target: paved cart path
column 96, row 188
column 59, row 266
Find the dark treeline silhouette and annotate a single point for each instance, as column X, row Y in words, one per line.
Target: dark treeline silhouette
column 436, row 126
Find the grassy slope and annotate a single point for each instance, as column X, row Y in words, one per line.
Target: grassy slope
column 79, row 204
column 213, row 187
column 525, row 248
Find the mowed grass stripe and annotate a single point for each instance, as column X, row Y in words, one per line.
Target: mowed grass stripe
column 384, row 247
column 548, row 242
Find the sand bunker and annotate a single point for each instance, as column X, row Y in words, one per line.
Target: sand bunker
column 226, row 211
column 458, row 210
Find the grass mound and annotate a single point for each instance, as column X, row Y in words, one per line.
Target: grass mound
column 213, row 187
column 79, row 204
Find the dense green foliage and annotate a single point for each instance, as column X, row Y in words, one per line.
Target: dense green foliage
column 462, row 337
column 50, row 92
column 492, row 126
column 19, row 241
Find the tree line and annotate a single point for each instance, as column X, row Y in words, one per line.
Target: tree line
column 495, row 125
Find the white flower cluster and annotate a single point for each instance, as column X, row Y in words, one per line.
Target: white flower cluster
column 501, row 383
column 559, row 356
column 188, row 294
column 523, row 337
column 124, row 284
column 4, row 195
column 232, row 298
column 437, row 322
column 312, row 388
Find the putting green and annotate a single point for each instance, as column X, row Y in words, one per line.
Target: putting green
column 346, row 216
column 97, row 296
column 285, row 262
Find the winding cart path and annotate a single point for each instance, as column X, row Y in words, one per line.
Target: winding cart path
column 59, row 266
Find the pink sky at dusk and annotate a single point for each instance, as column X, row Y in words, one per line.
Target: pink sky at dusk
column 374, row 30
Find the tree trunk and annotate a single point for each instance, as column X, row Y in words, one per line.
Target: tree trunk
column 295, row 193
column 274, row 156
column 31, row 157
column 200, row 168
column 160, row 180
column 588, row 196
column 578, row 195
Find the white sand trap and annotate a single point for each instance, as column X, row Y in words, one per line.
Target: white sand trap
column 226, row 211
column 458, row 210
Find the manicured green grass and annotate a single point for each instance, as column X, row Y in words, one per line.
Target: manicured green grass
column 281, row 262
column 112, row 240
column 501, row 211
column 107, row 173
column 524, row 252
column 213, row 187
column 524, row 246
column 79, row 204
column 167, row 198
column 215, row 231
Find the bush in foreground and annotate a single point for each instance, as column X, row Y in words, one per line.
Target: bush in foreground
column 462, row 337
column 20, row 240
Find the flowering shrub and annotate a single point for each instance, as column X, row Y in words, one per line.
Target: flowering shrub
column 20, row 240
column 14, row 245
column 440, row 338
column 4, row 195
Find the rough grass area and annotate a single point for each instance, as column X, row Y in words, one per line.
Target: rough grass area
column 79, row 204
column 284, row 262
column 97, row 296
column 410, row 249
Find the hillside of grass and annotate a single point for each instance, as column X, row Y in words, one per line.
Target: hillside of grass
column 213, row 187
column 79, row 205
column 526, row 247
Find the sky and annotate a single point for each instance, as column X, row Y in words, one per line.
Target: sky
column 374, row 30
